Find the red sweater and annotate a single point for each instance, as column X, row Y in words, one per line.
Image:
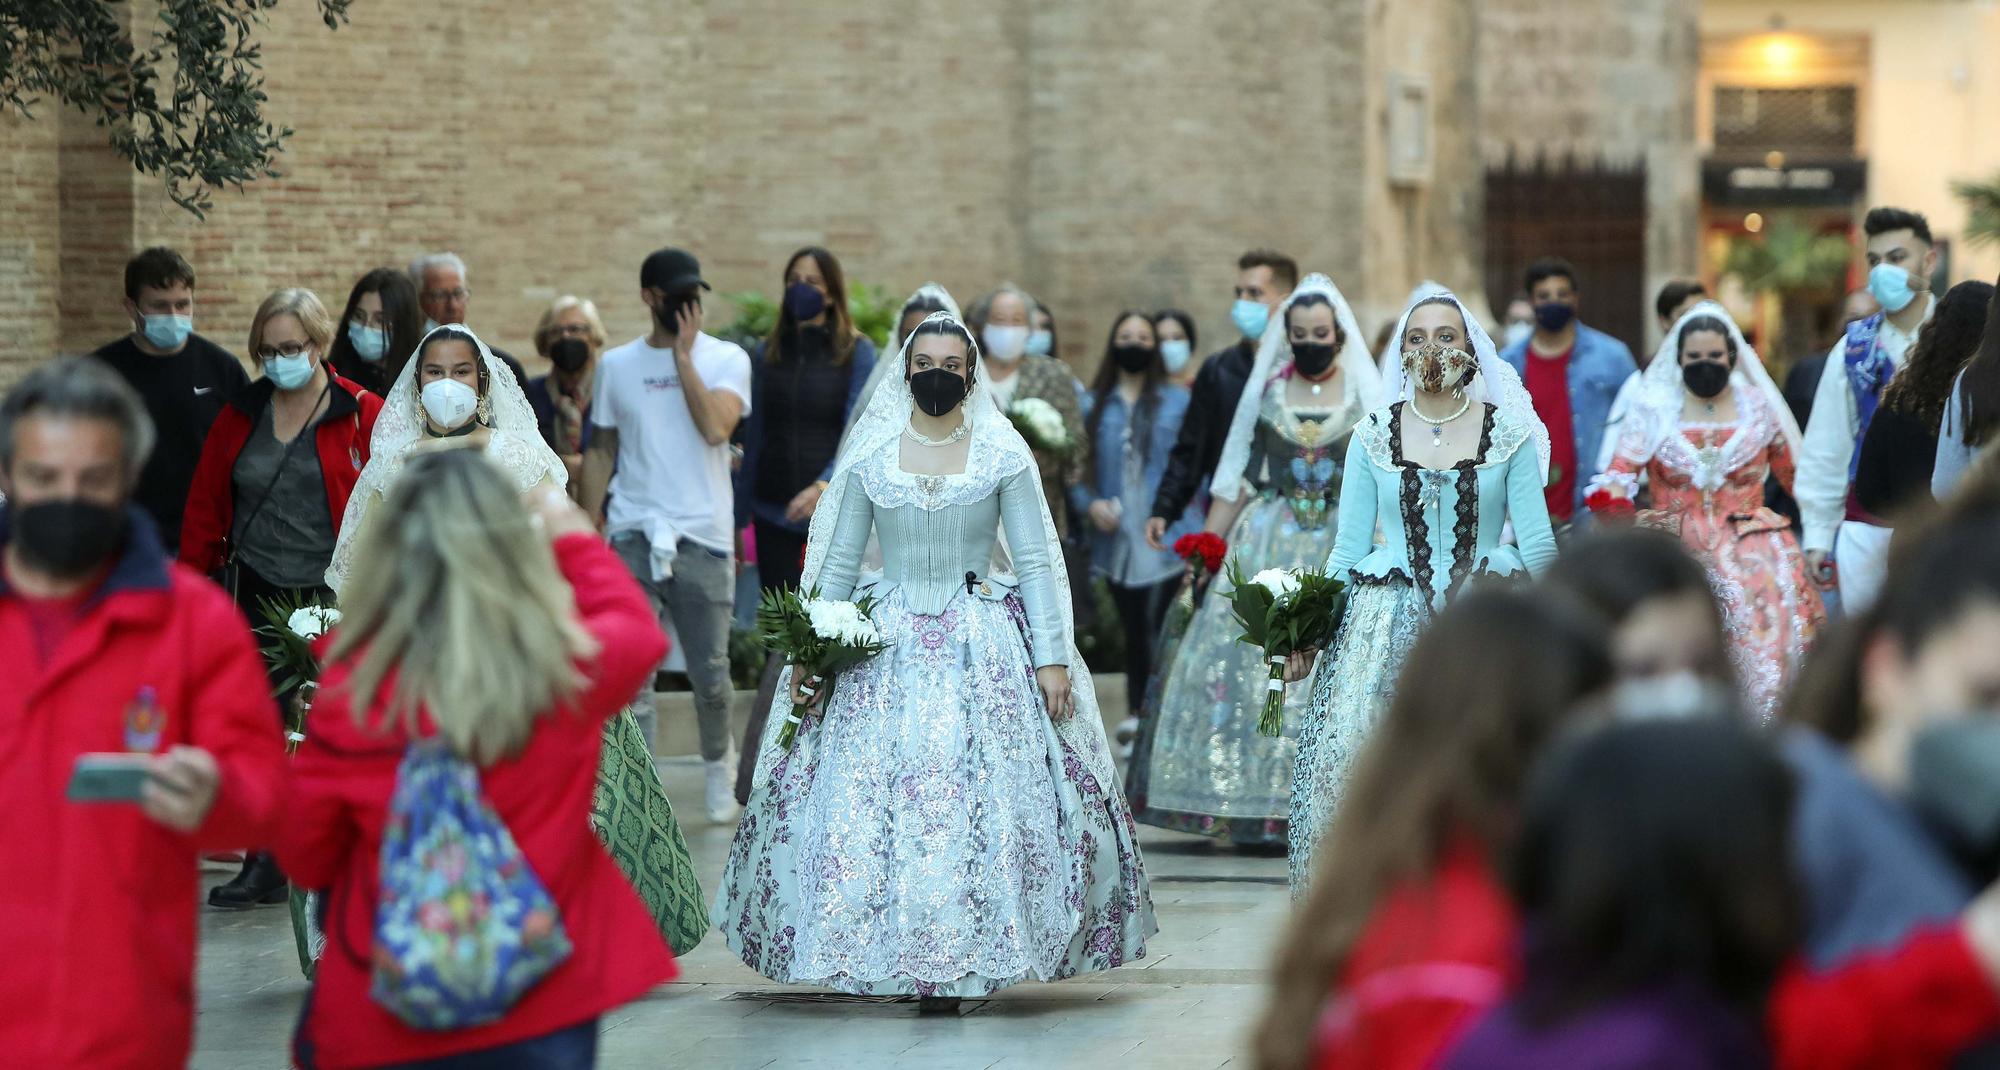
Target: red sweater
column 1439, row 954
column 341, row 440
column 98, row 902
column 343, row 776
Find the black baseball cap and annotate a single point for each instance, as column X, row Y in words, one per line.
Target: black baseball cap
column 671, row 271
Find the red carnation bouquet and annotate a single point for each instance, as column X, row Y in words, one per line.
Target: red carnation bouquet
column 1611, row 497
column 1203, row 552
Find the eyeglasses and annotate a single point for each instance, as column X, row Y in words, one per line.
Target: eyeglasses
column 571, row 330
column 283, row 349
column 459, row 294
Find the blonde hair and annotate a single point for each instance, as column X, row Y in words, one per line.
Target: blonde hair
column 462, row 602
column 545, row 330
column 302, row 304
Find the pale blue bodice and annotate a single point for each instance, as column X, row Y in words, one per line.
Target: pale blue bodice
column 1440, row 526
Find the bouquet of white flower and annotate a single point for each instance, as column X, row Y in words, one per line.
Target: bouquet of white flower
column 820, row 638
column 1041, row 424
column 1284, row 612
column 295, row 624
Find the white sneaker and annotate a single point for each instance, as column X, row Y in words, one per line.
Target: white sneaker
column 722, row 808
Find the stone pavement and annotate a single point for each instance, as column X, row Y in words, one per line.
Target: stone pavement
column 1187, row 1006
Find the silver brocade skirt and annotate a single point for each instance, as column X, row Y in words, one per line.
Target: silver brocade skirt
column 932, row 834
column 1350, row 691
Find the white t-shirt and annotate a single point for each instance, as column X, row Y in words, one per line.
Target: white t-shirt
column 666, row 470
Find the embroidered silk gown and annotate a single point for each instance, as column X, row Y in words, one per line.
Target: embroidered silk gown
column 1440, row 529
column 1707, row 484
column 1200, row 765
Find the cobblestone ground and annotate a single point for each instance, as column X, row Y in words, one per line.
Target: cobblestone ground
column 1187, row 1006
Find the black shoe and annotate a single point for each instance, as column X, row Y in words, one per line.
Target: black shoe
column 259, row 884
column 937, row 1004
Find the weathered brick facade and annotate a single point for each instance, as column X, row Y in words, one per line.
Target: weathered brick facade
column 1115, row 153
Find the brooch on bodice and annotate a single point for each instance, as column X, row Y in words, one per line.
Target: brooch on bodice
column 1708, row 472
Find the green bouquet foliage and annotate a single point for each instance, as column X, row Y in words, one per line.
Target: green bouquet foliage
column 819, row 637
column 1284, row 613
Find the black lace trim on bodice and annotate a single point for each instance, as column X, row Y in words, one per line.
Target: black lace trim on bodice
column 1465, row 525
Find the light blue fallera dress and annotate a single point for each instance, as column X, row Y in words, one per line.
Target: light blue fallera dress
column 1440, row 529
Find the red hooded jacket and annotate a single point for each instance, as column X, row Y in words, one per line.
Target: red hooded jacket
column 343, row 776
column 1441, row 952
column 341, row 440
column 97, row 901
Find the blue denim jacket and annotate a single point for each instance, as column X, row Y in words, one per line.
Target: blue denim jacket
column 1123, row 556
column 1597, row 368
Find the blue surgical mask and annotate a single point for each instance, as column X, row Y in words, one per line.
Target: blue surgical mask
column 1250, row 317
column 1175, row 353
column 289, row 373
column 168, row 330
column 1039, row 343
column 370, row 343
column 1891, row 287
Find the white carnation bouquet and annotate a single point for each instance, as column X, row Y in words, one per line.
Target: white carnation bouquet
column 1041, row 424
column 820, row 638
column 296, row 624
column 1284, row 612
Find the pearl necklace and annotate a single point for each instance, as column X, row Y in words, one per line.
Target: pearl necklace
column 964, row 427
column 1437, row 426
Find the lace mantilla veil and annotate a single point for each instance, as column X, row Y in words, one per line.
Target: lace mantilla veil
column 928, row 291
column 1662, row 391
column 995, row 444
column 1361, row 381
column 515, row 445
column 1497, row 383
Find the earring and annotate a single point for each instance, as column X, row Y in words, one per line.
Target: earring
column 485, row 410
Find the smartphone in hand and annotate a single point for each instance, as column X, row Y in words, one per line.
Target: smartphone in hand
column 113, row 777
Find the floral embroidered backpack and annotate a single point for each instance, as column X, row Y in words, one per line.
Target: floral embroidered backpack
column 463, row 927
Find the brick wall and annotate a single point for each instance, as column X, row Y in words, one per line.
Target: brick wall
column 1615, row 80
column 30, row 239
column 1102, row 155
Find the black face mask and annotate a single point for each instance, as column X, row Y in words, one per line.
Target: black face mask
column 68, row 538
column 1705, row 378
column 1312, row 359
column 668, row 312
column 569, row 355
column 938, row 391
column 1132, row 359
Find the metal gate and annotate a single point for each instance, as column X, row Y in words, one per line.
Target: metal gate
column 1591, row 213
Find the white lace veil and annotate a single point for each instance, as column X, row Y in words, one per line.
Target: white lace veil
column 1361, row 381
column 1662, row 391
column 1497, row 383
column 927, row 293
column 993, row 440
column 515, row 445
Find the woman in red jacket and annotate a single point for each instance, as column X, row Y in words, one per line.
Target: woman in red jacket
column 511, row 634
column 271, row 487
column 1408, row 935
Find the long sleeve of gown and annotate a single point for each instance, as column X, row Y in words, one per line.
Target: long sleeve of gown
column 1028, row 544
column 842, row 567
column 1355, row 519
column 1528, row 509
column 1821, row 485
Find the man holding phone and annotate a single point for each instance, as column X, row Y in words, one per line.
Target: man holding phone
column 135, row 733
column 665, row 407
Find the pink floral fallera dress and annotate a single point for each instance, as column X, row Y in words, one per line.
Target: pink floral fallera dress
column 1707, row 484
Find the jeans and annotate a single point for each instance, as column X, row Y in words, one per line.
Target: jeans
column 1143, row 611
column 698, row 601
column 778, row 551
